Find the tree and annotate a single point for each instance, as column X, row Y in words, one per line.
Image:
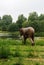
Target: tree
column 0, row 23
column 41, row 17
column 33, row 16
column 0, row 18
column 5, row 22
column 34, row 25
column 25, row 24
column 4, row 28
column 41, row 25
column 20, row 20
column 7, row 19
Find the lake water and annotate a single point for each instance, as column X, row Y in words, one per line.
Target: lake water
column 8, row 35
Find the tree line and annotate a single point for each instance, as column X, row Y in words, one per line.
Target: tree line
column 34, row 20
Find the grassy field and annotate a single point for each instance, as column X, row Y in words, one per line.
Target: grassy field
column 14, row 52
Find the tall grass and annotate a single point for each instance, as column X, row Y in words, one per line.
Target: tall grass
column 12, row 49
column 19, row 42
column 4, row 52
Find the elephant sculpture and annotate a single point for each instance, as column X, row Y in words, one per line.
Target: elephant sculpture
column 27, row 33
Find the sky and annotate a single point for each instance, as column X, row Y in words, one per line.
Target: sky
column 18, row 7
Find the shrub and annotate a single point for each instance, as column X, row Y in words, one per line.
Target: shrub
column 39, row 34
column 33, row 54
column 4, row 52
column 20, row 61
column 17, row 54
column 13, row 27
column 30, row 54
column 37, row 63
column 17, row 64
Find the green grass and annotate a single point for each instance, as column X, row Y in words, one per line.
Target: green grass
column 19, row 54
column 38, row 41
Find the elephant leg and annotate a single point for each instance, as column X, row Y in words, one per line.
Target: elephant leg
column 24, row 40
column 32, row 40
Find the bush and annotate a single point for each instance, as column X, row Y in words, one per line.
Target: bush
column 30, row 54
column 17, row 54
column 4, row 52
column 13, row 27
column 39, row 34
column 37, row 63
column 19, row 61
column 33, row 54
column 17, row 64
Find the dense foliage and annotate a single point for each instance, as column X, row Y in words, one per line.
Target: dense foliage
column 34, row 20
